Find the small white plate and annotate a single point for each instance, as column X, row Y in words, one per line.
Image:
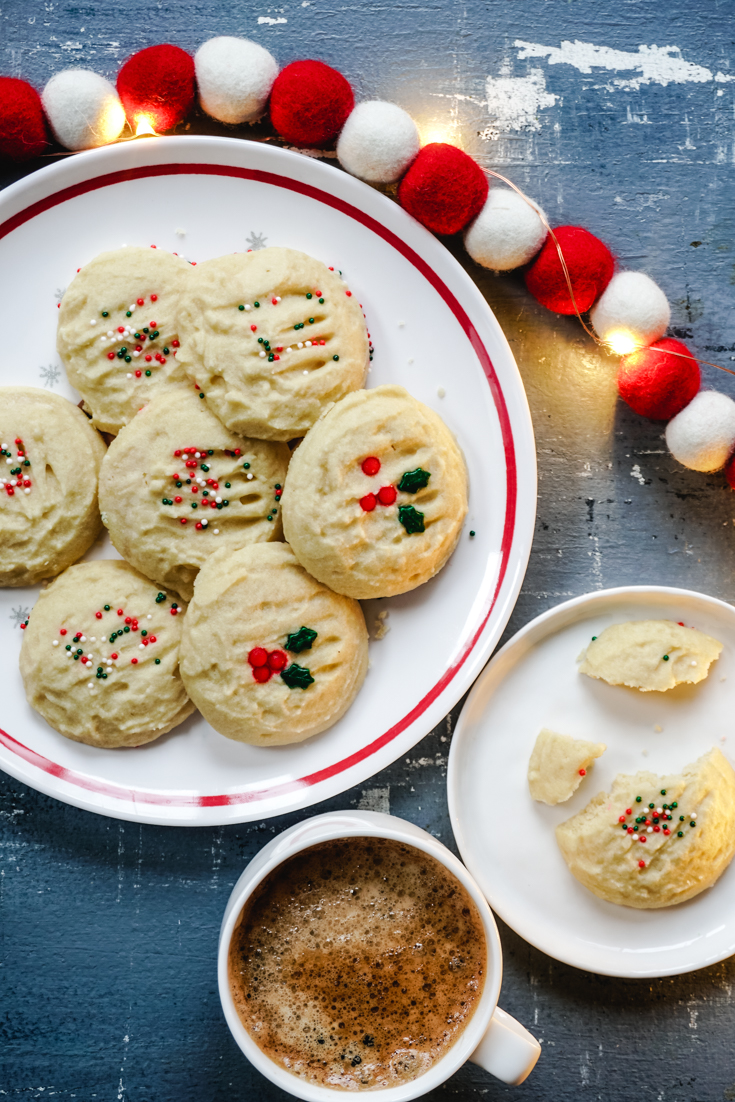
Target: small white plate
column 507, row 839
column 433, row 333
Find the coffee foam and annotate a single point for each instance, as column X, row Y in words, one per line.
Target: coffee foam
column 357, row 963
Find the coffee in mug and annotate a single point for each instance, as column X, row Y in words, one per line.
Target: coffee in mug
column 357, row 963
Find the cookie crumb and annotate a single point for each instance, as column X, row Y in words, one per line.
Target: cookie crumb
column 441, row 392
column 645, row 753
column 380, row 627
column 657, row 728
column 180, row 233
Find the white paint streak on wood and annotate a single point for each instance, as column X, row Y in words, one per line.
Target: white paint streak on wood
column 513, row 103
column 656, row 64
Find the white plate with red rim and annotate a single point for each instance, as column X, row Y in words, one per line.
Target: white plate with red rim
column 433, row 333
column 507, row 840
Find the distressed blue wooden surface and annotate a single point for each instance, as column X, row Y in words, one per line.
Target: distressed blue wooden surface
column 109, row 930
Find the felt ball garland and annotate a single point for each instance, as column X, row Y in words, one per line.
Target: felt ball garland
column 157, row 84
column 444, row 188
column 567, row 269
column 22, row 122
column 310, row 103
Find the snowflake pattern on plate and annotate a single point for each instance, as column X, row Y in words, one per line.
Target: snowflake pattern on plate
column 19, row 615
column 256, row 241
column 59, row 293
column 50, row 375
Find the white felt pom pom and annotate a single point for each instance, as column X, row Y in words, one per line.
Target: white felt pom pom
column 234, row 77
column 83, row 108
column 632, row 306
column 702, row 436
column 378, row 142
column 506, row 233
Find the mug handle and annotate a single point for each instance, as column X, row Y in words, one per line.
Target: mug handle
column 507, row 1050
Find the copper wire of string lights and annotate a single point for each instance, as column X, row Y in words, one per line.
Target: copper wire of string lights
column 590, row 332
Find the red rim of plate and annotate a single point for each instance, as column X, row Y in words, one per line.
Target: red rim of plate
column 136, row 795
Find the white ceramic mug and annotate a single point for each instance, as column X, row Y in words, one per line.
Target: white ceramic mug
column 491, row 1038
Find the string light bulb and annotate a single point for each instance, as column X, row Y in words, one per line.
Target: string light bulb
column 144, row 127
column 622, row 342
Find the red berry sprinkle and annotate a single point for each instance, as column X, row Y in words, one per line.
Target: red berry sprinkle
column 98, row 615
column 154, row 298
column 583, row 772
column 371, row 465
column 642, row 838
column 138, row 373
column 182, row 520
column 629, row 811
column 657, row 830
column 641, row 864
column 133, row 661
column 178, row 499
column 121, row 612
column 262, row 674
column 110, row 355
column 128, row 619
column 254, row 328
column 387, row 495
column 368, row 503
column 140, row 301
column 198, row 526
column 277, row 660
column 258, row 656
column 349, row 294
column 175, row 344
column 630, row 830
column 115, row 655
column 666, row 830
column 62, row 631
column 174, row 611
column 147, row 360
column 152, row 323
column 621, row 819
column 121, row 328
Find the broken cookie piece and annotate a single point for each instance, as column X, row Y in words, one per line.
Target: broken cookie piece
column 558, row 765
column 650, row 655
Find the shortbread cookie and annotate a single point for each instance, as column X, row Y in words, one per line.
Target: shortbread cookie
column 559, row 764
column 376, row 495
column 117, row 332
column 654, row 841
column 270, row 656
column 272, row 338
column 176, row 485
column 650, row 655
column 50, row 459
column 100, row 656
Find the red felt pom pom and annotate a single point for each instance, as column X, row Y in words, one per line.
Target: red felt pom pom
column 22, row 124
column 444, row 188
column 158, row 84
column 310, row 103
column 590, row 265
column 730, row 472
column 656, row 383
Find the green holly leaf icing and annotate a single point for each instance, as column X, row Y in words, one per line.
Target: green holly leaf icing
column 297, row 677
column 300, row 640
column 413, row 481
column 411, row 519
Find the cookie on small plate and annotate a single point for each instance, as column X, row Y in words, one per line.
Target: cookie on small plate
column 268, row 655
column 50, row 459
column 376, row 494
column 650, row 655
column 176, row 485
column 117, row 334
column 655, row 841
column 100, row 656
column 272, row 338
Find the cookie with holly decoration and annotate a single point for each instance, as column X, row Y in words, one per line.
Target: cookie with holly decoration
column 117, row 334
column 176, row 485
column 50, row 459
column 100, row 656
column 376, row 495
column 269, row 655
column 272, row 337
